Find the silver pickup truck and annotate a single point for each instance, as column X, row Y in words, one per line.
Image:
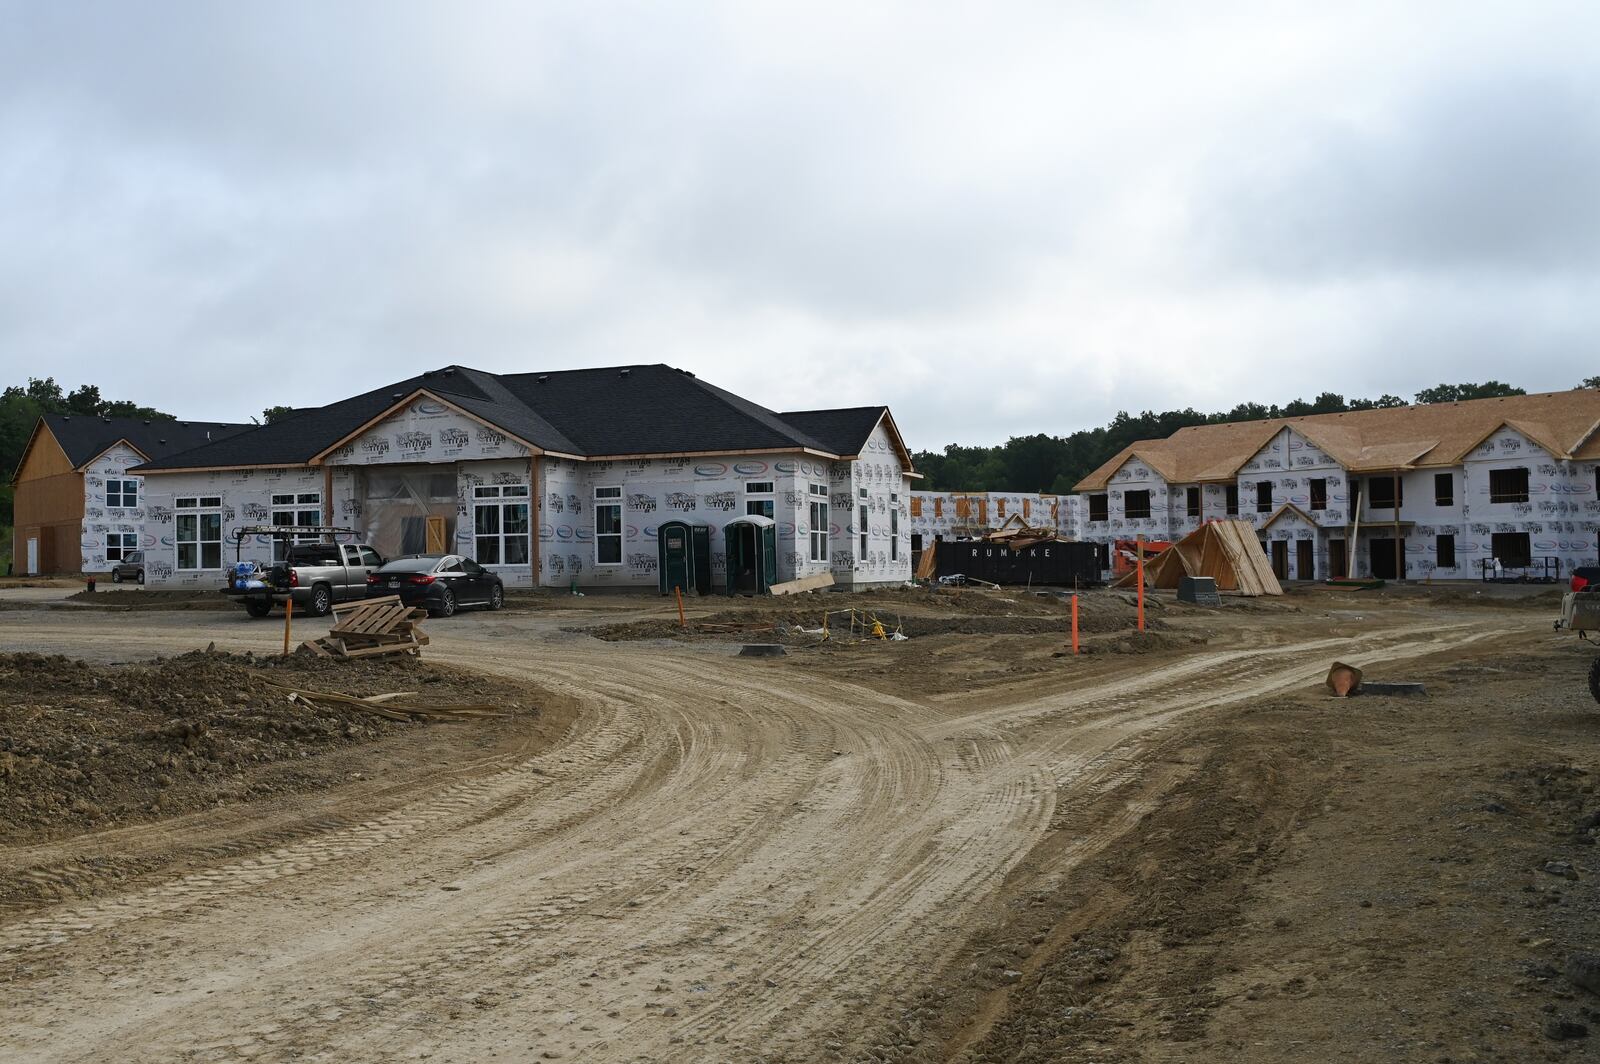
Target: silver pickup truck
column 314, row 575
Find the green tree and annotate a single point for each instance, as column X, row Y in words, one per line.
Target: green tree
column 1455, row 393
column 1590, row 382
column 276, row 413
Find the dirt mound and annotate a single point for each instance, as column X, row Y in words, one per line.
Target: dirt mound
column 937, row 612
column 84, row 744
column 143, row 599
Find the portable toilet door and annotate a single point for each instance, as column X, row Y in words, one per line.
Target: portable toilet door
column 675, row 556
column 700, row 539
column 752, row 554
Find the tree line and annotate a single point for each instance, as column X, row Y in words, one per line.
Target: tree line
column 1053, row 464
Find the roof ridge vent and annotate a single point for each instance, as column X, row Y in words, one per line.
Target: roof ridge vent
column 625, row 373
column 541, row 378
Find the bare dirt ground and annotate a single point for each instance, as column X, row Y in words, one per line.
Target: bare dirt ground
column 959, row 847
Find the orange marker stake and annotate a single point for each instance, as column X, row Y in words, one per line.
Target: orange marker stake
column 1139, row 549
column 288, row 619
column 681, row 622
column 1074, row 624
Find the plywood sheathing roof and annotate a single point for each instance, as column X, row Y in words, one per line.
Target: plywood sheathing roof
column 1434, row 434
column 1287, row 508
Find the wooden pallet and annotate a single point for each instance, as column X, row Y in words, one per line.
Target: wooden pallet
column 370, row 628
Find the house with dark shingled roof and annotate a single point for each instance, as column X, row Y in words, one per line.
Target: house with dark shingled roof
column 554, row 479
column 78, row 508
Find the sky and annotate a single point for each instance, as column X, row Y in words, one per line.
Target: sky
column 998, row 219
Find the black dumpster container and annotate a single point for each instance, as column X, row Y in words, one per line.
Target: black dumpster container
column 1055, row 563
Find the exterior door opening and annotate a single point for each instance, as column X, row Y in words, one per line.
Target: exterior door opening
column 1305, row 563
column 1380, row 555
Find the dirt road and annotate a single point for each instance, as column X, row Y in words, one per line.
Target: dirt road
column 724, row 859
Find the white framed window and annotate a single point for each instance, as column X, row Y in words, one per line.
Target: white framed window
column 120, row 544
column 501, row 529
column 608, row 526
column 197, row 532
column 121, row 492
column 861, row 517
column 817, row 496
column 894, row 528
column 760, row 498
column 295, row 510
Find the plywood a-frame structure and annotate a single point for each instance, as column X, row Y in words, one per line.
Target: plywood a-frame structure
column 1227, row 551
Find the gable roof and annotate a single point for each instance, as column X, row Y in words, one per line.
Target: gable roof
column 1403, row 437
column 618, row 411
column 84, row 437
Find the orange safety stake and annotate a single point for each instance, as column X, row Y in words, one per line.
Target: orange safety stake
column 288, row 620
column 681, row 622
column 1139, row 561
column 1074, row 624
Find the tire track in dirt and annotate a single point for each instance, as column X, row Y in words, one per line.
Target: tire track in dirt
column 706, row 827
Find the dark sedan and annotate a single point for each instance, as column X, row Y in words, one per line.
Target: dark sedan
column 440, row 583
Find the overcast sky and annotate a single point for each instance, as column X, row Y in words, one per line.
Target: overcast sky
column 997, row 219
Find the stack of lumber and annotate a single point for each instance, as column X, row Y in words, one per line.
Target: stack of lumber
column 372, row 627
column 1226, row 551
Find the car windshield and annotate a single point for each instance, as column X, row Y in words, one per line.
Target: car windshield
column 421, row 564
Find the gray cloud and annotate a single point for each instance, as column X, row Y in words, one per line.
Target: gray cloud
column 999, row 222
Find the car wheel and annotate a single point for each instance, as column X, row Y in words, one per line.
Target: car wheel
column 116, row 576
column 321, row 600
column 447, row 604
column 258, row 609
column 140, row 576
column 497, row 597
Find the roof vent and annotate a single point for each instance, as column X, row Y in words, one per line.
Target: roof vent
column 427, row 373
column 625, row 373
column 147, row 422
column 398, row 395
column 66, row 417
column 161, row 441
column 686, row 373
column 541, row 378
column 449, row 371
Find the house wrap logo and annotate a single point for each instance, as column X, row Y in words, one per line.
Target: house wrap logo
column 374, row 447
column 711, row 469
column 454, row 438
column 488, row 437
column 785, row 467
column 750, row 469
column 414, row 442
column 429, row 408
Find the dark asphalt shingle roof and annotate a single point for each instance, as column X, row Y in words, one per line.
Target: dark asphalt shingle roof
column 85, row 437
column 842, row 431
column 619, row 410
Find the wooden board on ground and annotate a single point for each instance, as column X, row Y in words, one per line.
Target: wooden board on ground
column 805, row 583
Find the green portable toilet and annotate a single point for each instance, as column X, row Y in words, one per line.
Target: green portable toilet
column 683, row 556
column 752, row 554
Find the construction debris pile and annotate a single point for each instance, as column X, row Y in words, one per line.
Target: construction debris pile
column 371, row 628
column 1226, row 551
